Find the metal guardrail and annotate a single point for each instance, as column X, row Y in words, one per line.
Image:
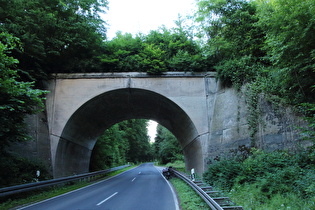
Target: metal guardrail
column 206, row 197
column 210, row 201
column 37, row 185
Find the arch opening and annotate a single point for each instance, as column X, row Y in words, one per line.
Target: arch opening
column 125, row 142
column 96, row 115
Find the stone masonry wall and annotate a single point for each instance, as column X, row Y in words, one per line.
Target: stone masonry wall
column 229, row 127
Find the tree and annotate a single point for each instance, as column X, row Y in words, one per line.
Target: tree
column 136, row 133
column 17, row 98
column 167, row 148
column 124, row 142
column 153, row 61
column 181, row 51
column 290, row 46
column 122, row 53
column 234, row 39
column 159, row 51
column 58, row 36
column 110, row 149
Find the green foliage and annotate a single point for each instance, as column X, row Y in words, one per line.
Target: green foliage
column 179, row 165
column 238, row 71
column 110, row 150
column 122, row 54
column 290, row 26
column 265, row 175
column 166, row 146
column 124, row 142
column 234, row 39
column 252, row 93
column 265, row 45
column 58, row 36
column 69, row 36
column 182, row 53
column 188, row 198
column 139, row 145
column 247, row 40
column 185, row 61
column 159, row 51
column 249, row 196
column 223, row 177
column 309, row 112
column 17, row 98
column 153, row 59
column 17, row 170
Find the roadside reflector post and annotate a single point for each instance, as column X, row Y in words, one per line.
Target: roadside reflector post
column 193, row 176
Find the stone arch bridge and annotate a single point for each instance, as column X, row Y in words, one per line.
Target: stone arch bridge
column 206, row 119
column 81, row 106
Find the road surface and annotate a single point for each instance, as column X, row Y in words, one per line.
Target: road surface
column 141, row 188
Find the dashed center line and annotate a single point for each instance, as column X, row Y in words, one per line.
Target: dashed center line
column 107, row 199
column 133, row 179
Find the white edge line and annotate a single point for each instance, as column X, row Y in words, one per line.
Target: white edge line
column 24, row 207
column 107, row 199
column 173, row 192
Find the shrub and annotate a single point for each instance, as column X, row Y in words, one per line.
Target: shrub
column 266, row 175
column 261, row 164
column 223, row 173
column 17, row 170
column 305, row 185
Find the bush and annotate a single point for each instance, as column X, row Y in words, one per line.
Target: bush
column 266, row 175
column 262, row 164
column 305, row 185
column 223, row 173
column 17, row 170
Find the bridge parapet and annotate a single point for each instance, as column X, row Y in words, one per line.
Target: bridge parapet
column 131, row 74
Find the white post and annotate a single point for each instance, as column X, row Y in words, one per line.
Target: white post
column 192, row 174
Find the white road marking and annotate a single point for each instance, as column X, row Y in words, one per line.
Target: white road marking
column 140, row 172
column 107, row 198
column 133, row 179
column 105, row 180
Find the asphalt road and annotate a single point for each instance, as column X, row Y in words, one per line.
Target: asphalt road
column 141, row 188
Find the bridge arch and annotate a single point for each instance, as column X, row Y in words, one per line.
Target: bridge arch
column 89, row 121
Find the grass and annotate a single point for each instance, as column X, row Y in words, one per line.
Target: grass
column 13, row 202
column 188, row 198
column 179, row 165
column 250, row 197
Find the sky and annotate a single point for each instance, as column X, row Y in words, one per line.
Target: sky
column 135, row 16
column 152, row 130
